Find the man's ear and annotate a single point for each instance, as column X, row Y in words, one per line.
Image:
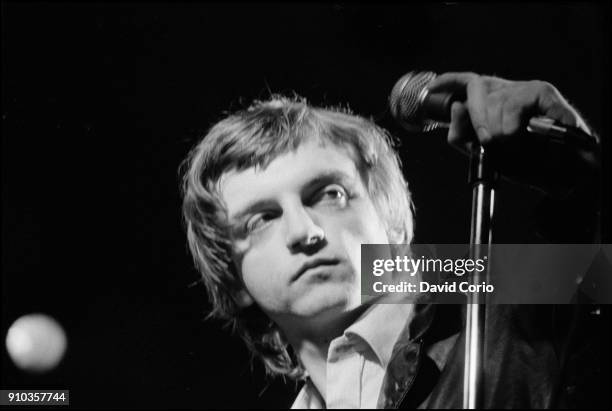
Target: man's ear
column 244, row 299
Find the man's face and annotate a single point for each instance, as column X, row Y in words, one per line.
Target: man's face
column 314, row 191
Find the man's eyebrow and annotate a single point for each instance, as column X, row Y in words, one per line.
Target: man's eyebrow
column 249, row 209
column 324, row 177
column 328, row 176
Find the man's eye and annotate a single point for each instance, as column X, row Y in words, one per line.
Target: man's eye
column 332, row 194
column 257, row 222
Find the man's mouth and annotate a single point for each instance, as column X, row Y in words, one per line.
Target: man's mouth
column 314, row 263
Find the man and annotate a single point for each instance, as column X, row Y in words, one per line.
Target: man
column 278, row 199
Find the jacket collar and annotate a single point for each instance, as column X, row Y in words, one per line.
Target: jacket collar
column 430, row 323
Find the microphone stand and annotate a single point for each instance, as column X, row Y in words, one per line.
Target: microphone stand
column 482, row 178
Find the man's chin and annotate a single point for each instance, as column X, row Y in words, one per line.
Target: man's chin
column 327, row 304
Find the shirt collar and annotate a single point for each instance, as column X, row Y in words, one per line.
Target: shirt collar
column 380, row 339
column 380, row 326
column 308, row 398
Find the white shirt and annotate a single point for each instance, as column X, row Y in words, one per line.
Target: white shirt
column 358, row 359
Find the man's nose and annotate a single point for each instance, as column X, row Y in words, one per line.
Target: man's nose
column 302, row 231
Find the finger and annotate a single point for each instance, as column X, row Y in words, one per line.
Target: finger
column 551, row 102
column 537, row 98
column 460, row 129
column 513, row 118
column 477, row 107
column 496, row 83
column 458, row 80
column 451, row 81
column 495, row 107
column 554, row 105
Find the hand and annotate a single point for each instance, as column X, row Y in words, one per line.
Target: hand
column 496, row 113
column 496, row 109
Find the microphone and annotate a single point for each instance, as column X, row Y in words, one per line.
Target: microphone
column 419, row 110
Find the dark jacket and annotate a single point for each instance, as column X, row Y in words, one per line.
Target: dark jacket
column 536, row 357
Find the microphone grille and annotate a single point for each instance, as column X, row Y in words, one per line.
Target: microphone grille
column 405, row 99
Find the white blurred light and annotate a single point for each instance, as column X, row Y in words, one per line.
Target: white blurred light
column 36, row 342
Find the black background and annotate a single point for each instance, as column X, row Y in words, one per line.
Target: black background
column 101, row 102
